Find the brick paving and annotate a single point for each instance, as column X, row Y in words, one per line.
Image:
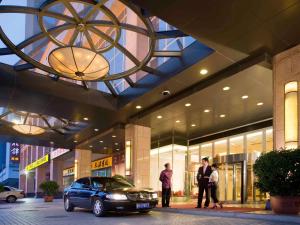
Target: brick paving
column 35, row 212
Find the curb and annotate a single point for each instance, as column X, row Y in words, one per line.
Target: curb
column 266, row 217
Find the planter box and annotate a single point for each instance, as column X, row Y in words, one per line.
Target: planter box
column 285, row 204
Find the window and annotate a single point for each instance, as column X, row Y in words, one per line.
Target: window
column 82, row 182
column 6, row 189
column 98, row 183
column 118, row 184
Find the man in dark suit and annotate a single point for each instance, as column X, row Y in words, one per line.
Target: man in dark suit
column 203, row 178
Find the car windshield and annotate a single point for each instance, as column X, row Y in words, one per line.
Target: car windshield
column 118, row 183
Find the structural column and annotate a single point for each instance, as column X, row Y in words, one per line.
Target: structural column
column 40, row 177
column 82, row 164
column 286, row 77
column 56, row 172
column 137, row 154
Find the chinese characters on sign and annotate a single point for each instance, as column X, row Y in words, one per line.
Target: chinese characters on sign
column 37, row 163
column 102, row 163
column 15, row 152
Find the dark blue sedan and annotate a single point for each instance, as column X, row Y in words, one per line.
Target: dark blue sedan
column 102, row 194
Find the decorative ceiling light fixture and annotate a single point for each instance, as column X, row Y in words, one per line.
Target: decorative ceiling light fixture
column 32, row 123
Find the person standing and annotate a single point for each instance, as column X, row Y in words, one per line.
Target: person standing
column 203, row 178
column 165, row 178
column 213, row 184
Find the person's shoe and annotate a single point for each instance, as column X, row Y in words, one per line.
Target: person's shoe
column 214, row 207
column 221, row 205
column 198, row 207
column 205, row 207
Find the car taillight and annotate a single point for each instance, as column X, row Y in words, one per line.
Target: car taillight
column 22, row 193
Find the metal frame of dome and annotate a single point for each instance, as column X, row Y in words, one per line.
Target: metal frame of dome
column 74, row 21
column 45, row 118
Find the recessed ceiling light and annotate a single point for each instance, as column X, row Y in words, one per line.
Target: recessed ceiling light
column 85, row 118
column 203, row 71
column 159, row 117
column 206, row 110
column 138, row 107
column 260, row 103
column 114, row 136
column 222, row 115
column 193, row 125
column 51, row 142
column 117, row 149
column 105, row 147
column 226, row 88
column 188, row 104
column 245, row 96
column 75, row 141
column 177, row 121
column 116, row 143
column 96, row 129
column 101, row 141
column 91, row 146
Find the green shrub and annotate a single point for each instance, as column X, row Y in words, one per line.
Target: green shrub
column 278, row 172
column 49, row 188
column 1, row 188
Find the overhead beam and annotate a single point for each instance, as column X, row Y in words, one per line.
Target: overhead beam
column 152, row 71
column 111, row 88
column 129, row 81
column 170, row 34
column 167, row 54
column 6, row 51
column 260, row 57
column 25, row 66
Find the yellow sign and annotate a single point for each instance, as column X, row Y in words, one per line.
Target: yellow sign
column 37, row 163
column 102, row 163
column 68, row 172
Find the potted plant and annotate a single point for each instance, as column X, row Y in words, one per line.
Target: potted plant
column 50, row 189
column 278, row 173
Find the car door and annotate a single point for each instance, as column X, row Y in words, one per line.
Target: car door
column 85, row 193
column 73, row 193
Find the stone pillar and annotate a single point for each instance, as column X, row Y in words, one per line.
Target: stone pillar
column 286, row 77
column 138, row 142
column 82, row 164
column 30, row 184
column 56, row 172
column 40, row 177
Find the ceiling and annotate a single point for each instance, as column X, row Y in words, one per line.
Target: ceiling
column 237, row 111
column 235, row 29
column 243, row 25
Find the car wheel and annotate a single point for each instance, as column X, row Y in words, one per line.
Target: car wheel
column 11, row 199
column 98, row 208
column 68, row 206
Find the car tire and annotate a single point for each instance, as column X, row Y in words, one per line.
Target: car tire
column 67, row 205
column 98, row 208
column 11, row 199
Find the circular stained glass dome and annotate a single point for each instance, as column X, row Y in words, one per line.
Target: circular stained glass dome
column 100, row 31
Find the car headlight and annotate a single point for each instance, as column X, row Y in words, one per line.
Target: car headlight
column 154, row 195
column 116, row 197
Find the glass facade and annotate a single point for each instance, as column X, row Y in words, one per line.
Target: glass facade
column 233, row 154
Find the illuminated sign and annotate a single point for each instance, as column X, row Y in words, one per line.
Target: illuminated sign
column 68, row 172
column 14, row 152
column 102, row 163
column 37, row 163
column 58, row 152
column 128, row 158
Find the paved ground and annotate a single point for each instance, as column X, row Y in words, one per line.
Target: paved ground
column 35, row 212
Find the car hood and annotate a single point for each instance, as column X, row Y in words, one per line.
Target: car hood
column 132, row 190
